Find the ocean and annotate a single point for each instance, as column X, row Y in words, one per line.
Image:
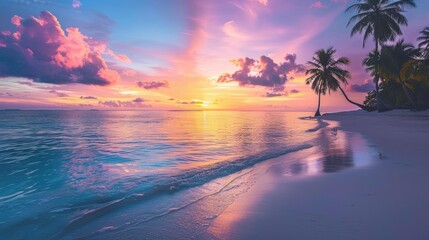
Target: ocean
column 163, row 174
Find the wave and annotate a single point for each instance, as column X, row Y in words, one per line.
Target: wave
column 188, row 179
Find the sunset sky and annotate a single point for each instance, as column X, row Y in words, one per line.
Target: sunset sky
column 176, row 54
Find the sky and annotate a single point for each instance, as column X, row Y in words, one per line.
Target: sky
column 177, row 54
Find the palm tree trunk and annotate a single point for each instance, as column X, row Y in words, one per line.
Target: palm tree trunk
column 317, row 114
column 355, row 103
column 407, row 93
column 380, row 105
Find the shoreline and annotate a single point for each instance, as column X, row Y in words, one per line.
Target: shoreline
column 387, row 200
column 362, row 177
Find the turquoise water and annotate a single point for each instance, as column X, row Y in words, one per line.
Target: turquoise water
column 64, row 174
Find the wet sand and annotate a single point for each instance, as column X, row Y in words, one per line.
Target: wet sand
column 387, row 199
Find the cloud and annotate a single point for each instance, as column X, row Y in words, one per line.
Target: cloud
column 193, row 102
column 85, row 105
column 230, row 29
column 278, row 92
column 367, row 86
column 26, row 83
column 123, row 104
column 138, row 100
column 76, row 4
column 273, row 94
column 317, row 4
column 40, row 50
column 7, row 94
column 152, row 84
column 88, row 97
column 128, row 72
column 263, row 2
column 263, row 72
column 119, row 57
column 59, row 94
column 198, row 102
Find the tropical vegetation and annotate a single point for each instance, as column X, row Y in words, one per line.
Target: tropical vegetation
column 327, row 74
column 400, row 70
column 380, row 19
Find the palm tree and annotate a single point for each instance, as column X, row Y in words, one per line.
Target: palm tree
column 417, row 69
column 424, row 42
column 327, row 74
column 380, row 19
column 393, row 60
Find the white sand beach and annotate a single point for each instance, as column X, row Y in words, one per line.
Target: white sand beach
column 386, row 200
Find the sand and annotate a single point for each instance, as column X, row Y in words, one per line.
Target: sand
column 385, row 200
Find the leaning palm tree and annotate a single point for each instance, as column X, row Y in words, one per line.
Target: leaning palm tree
column 327, row 74
column 380, row 19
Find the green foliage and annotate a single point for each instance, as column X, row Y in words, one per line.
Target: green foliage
column 370, row 100
column 380, row 19
column 393, row 59
column 326, row 71
column 424, row 42
column 327, row 74
column 404, row 71
column 394, row 96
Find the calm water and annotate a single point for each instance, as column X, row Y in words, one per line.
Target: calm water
column 68, row 174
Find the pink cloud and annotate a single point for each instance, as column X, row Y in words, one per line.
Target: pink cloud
column 263, row 2
column 40, row 50
column 16, row 20
column 153, row 84
column 73, row 50
column 76, row 4
column 317, row 4
column 263, row 72
column 230, row 29
column 59, row 94
column 119, row 57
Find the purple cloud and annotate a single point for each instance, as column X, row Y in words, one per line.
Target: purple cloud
column 26, row 83
column 88, row 97
column 76, row 4
column 138, row 100
column 152, row 84
column 59, row 94
column 85, row 105
column 273, row 94
column 40, row 50
column 193, row 102
column 7, row 94
column 125, row 104
column 367, row 86
column 263, row 72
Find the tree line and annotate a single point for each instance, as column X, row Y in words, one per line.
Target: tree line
column 400, row 70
